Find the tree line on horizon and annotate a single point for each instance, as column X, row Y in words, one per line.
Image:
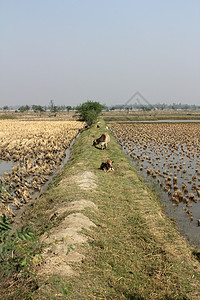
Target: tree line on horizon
column 38, row 108
column 87, row 111
column 90, row 110
column 136, row 106
column 159, row 106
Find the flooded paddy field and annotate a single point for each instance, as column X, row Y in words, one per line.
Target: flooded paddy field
column 167, row 156
column 30, row 153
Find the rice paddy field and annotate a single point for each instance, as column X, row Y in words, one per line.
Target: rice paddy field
column 154, row 115
column 30, row 153
column 168, row 155
column 101, row 235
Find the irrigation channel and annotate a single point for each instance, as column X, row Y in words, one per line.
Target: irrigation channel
column 168, row 172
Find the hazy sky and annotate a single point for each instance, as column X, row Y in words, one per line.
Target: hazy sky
column 72, row 51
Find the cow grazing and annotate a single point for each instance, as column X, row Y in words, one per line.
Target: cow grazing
column 107, row 167
column 102, row 141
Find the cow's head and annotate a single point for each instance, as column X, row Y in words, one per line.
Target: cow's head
column 94, row 143
column 110, row 162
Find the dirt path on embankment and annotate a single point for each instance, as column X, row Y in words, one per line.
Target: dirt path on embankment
column 106, row 235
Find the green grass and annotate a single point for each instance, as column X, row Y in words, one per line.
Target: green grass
column 7, row 116
column 135, row 251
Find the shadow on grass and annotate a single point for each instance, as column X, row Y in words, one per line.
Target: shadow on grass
column 133, row 297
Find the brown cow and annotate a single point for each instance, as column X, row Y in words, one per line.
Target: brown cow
column 102, row 141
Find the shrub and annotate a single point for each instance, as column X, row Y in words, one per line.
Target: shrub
column 19, row 251
column 89, row 111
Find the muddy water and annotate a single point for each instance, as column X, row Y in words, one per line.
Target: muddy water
column 156, row 168
column 5, row 166
column 65, row 160
column 178, row 211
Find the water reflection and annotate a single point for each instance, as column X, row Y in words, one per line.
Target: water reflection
column 168, row 156
column 5, row 166
column 8, row 170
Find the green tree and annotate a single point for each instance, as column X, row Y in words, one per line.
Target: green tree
column 24, row 108
column 56, row 108
column 68, row 108
column 89, row 111
column 37, row 108
column 52, row 106
column 5, row 107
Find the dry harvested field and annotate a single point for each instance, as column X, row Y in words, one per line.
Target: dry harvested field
column 37, row 116
column 153, row 115
column 103, row 235
column 170, row 154
column 36, row 149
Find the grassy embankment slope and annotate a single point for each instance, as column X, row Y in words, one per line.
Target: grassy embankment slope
column 134, row 252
